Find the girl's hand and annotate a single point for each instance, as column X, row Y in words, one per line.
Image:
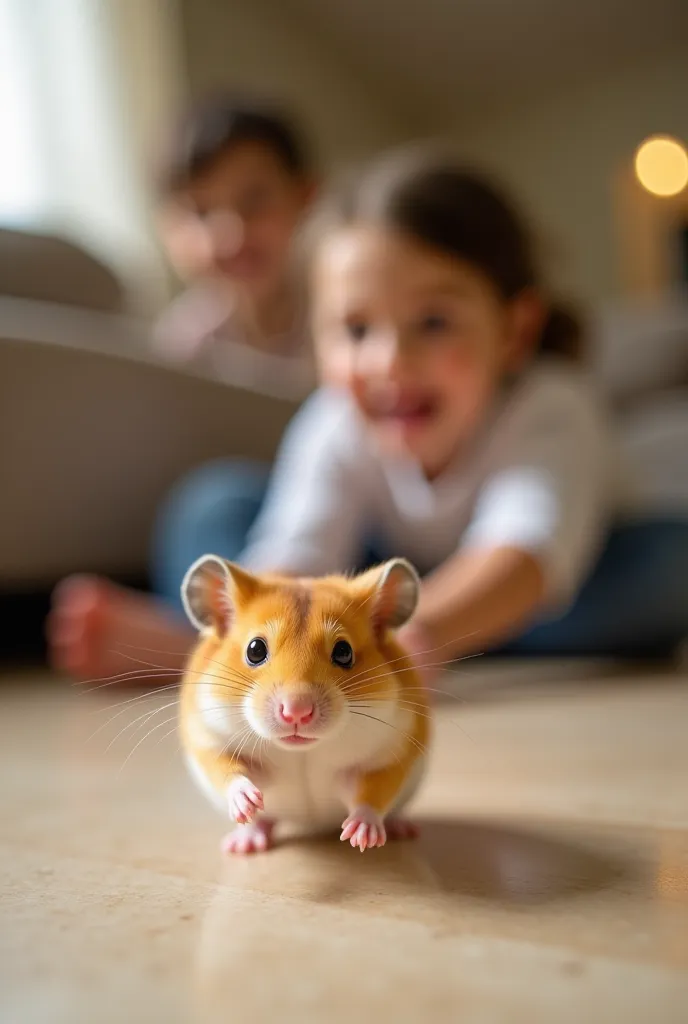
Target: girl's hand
column 415, row 639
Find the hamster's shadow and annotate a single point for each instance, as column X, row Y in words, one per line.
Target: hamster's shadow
column 506, row 864
column 459, row 859
column 479, row 860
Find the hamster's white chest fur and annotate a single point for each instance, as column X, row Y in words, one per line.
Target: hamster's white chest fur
column 307, row 787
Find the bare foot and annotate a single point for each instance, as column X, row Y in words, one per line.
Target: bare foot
column 97, row 630
column 253, row 838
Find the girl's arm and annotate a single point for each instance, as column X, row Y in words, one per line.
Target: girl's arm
column 537, row 527
column 474, row 601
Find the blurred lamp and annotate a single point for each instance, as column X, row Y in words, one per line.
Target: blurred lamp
column 661, row 165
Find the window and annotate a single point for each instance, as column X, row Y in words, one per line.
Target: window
column 22, row 194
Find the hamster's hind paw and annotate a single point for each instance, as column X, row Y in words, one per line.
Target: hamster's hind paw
column 254, row 838
column 244, row 800
column 364, row 828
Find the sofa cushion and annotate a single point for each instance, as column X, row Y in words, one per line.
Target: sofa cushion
column 654, row 438
column 52, row 269
column 638, row 351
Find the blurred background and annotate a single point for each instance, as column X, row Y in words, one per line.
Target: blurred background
column 556, row 98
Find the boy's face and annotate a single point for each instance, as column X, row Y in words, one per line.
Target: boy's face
column 421, row 340
column 236, row 221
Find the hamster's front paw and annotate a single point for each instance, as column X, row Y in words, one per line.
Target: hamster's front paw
column 364, row 828
column 244, row 800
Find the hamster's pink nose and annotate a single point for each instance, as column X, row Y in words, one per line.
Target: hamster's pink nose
column 296, row 710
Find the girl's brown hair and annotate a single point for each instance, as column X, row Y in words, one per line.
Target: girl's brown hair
column 435, row 201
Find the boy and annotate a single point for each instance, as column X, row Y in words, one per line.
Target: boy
column 234, row 188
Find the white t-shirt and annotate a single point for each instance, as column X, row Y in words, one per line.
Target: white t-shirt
column 543, row 477
column 201, row 330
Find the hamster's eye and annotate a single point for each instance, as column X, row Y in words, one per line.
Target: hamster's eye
column 257, row 651
column 342, row 654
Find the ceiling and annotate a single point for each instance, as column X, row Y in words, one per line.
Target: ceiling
column 456, row 57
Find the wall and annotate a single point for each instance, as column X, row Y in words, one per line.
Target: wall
column 256, row 45
column 566, row 156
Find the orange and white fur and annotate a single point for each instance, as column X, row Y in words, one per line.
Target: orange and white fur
column 299, row 706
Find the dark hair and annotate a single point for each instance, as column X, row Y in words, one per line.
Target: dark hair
column 430, row 198
column 217, row 123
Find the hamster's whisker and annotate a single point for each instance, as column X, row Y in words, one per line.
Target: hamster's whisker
column 228, row 672
column 238, row 676
column 144, row 719
column 150, row 732
column 362, row 715
column 265, row 751
column 390, row 670
column 123, row 709
column 422, row 690
column 224, row 751
column 434, row 689
column 166, row 668
column 246, row 737
column 253, row 748
column 230, row 685
column 388, row 664
column 178, row 672
column 421, row 654
column 448, row 661
column 132, row 700
column 225, row 748
column 399, row 671
column 123, row 704
column 184, row 657
column 156, row 650
column 166, row 735
column 123, row 677
column 143, row 661
column 228, row 675
column 372, row 699
column 418, row 709
column 80, row 683
column 244, row 676
column 249, row 732
column 142, row 679
column 403, row 732
column 356, row 684
column 415, row 706
column 221, row 681
column 257, row 746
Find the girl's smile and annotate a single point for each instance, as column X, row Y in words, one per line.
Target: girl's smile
column 420, row 339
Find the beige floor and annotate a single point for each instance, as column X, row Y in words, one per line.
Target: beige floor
column 551, row 882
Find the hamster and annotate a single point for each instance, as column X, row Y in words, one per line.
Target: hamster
column 299, row 706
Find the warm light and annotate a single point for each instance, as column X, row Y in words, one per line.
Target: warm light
column 661, row 164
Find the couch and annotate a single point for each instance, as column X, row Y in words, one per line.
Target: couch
column 94, row 428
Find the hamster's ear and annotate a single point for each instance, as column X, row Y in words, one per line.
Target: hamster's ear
column 210, row 591
column 393, row 589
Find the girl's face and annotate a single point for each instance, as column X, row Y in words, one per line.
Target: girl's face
column 421, row 340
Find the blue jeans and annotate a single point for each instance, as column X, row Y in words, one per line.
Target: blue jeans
column 634, row 604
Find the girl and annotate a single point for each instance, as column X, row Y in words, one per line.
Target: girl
column 456, row 429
